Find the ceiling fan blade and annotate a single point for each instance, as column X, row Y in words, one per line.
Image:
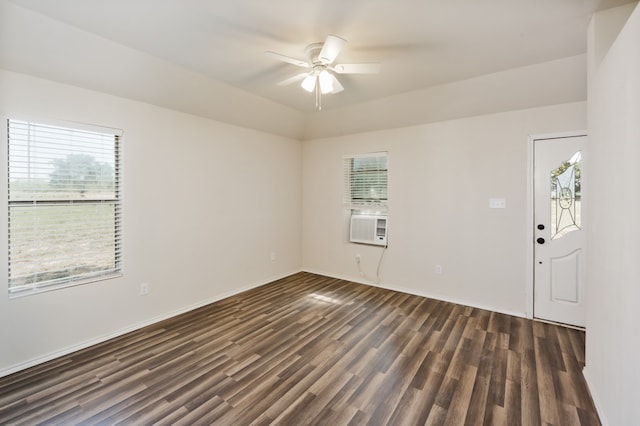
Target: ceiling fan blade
column 288, row 59
column 293, row 79
column 357, row 68
column 337, row 87
column 331, row 48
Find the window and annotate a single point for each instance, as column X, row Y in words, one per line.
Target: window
column 64, row 205
column 365, row 181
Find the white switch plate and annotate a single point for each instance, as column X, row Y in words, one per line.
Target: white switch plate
column 497, row 203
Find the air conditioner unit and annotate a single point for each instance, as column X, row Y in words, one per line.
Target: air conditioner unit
column 368, row 229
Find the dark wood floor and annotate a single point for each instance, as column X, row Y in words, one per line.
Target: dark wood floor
column 314, row 350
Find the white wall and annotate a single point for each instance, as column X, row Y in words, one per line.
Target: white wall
column 205, row 203
column 441, row 176
column 613, row 341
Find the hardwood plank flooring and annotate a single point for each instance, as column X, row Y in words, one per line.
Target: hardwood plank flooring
column 309, row 349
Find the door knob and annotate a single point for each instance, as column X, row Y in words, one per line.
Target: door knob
column 540, row 240
column 541, row 227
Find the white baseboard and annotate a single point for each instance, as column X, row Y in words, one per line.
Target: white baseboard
column 83, row 345
column 360, row 280
column 594, row 397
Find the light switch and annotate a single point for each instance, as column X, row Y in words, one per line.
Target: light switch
column 497, row 203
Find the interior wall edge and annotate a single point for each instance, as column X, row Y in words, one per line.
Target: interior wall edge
column 587, row 377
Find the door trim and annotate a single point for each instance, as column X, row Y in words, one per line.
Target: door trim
column 530, row 209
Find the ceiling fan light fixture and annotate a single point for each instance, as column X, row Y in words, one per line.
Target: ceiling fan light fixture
column 337, row 87
column 326, row 82
column 309, row 83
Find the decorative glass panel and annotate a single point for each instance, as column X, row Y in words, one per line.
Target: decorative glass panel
column 565, row 197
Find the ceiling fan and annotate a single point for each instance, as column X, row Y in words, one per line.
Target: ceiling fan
column 320, row 76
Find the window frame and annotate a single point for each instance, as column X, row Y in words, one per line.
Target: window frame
column 112, row 203
column 363, row 204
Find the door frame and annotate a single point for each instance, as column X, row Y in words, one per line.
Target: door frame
column 529, row 306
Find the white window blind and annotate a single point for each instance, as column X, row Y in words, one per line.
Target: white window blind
column 64, row 206
column 365, row 181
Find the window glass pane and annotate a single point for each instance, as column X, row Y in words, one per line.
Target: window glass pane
column 361, row 164
column 566, row 197
column 60, row 241
column 366, row 180
column 49, row 162
column 64, row 206
column 369, row 186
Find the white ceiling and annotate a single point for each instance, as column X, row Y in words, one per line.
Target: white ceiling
column 419, row 43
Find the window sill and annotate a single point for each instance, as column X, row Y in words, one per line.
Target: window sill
column 19, row 293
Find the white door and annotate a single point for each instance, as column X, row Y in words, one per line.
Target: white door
column 559, row 235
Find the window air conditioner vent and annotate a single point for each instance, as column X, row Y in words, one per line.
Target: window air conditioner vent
column 368, row 229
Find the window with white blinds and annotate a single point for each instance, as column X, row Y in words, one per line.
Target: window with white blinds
column 365, row 181
column 64, row 206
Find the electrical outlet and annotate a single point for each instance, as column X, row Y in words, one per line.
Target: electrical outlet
column 438, row 269
column 273, row 256
column 358, row 258
column 144, row 289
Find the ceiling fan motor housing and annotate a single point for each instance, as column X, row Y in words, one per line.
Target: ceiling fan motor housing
column 313, row 53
